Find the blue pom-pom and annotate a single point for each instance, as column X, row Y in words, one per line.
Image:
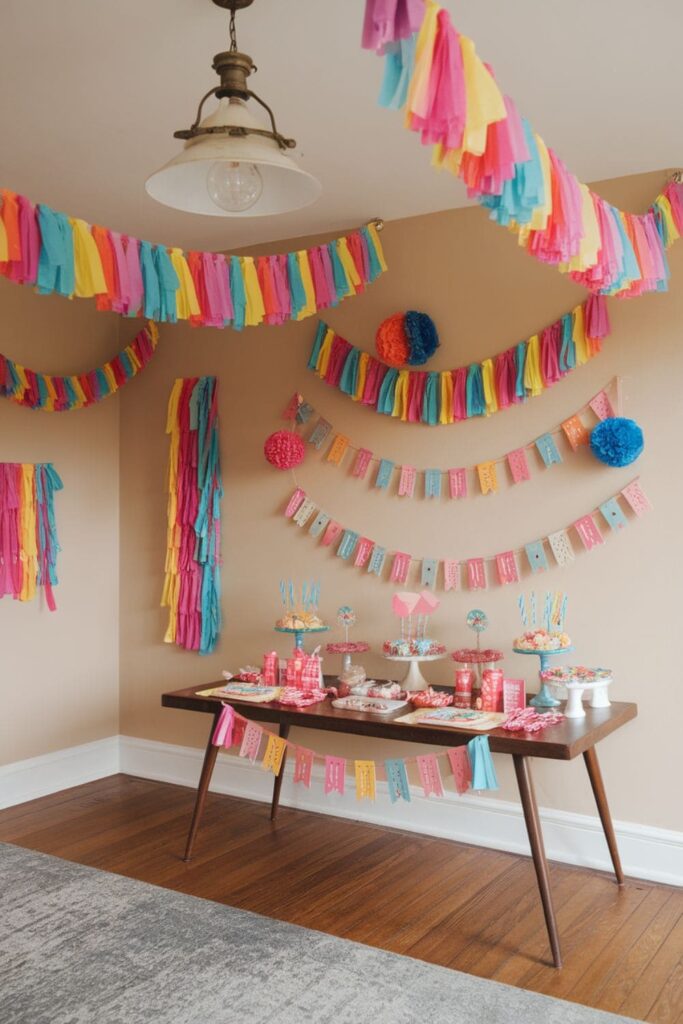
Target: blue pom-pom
column 422, row 337
column 617, row 441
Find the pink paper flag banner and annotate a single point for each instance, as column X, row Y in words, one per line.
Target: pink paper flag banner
column 406, row 483
column 506, row 564
column 304, row 512
column 400, row 567
column 294, row 502
column 457, row 483
column 561, row 547
column 451, row 574
column 636, row 498
column 365, row 546
column 363, row 460
column 588, row 532
column 335, row 774
column 332, row 533
column 251, row 741
column 601, row 406
column 292, row 407
column 476, row 574
column 519, row 466
column 461, row 768
column 430, row 776
column 223, row 733
column 303, row 766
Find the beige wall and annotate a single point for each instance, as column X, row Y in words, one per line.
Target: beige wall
column 59, row 671
column 484, row 295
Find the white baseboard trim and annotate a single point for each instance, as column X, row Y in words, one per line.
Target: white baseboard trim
column 61, row 769
column 654, row 854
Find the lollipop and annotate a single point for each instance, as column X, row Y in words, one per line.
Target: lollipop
column 477, row 620
column 346, row 616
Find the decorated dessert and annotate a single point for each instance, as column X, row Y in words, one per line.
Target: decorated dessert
column 300, row 621
column 476, row 655
column 542, row 640
column 423, row 648
column 564, row 674
column 431, row 698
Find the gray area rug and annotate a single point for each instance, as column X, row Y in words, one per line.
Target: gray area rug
column 81, row 946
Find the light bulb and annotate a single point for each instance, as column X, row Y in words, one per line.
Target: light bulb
column 233, row 185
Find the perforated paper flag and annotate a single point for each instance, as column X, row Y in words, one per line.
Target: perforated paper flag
column 365, row 780
column 320, row 433
column 506, row 564
column 406, row 483
column 588, row 532
column 519, row 466
column 575, row 432
column 397, row 780
column 363, row 460
column 548, row 450
column 251, row 741
column 292, row 407
column 432, row 483
column 460, row 766
column 377, row 558
column 476, row 574
column 601, row 406
column 561, row 547
column 457, row 483
column 332, row 533
column 488, row 480
column 612, row 514
column 365, row 546
column 318, row 524
column 400, row 567
column 535, row 554
column 430, row 568
column 304, row 413
column 430, row 776
column 335, row 774
column 294, row 502
column 304, row 512
column 275, row 751
column 337, row 449
column 303, row 766
column 451, row 574
column 348, row 544
column 636, row 497
column 384, row 471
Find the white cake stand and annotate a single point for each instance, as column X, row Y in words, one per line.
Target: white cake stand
column 599, row 697
column 414, row 679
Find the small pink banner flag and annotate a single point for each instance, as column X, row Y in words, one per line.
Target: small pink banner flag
column 506, row 564
column 223, row 732
column 451, row 574
column 588, row 532
column 636, row 497
column 251, row 741
column 292, row 407
column 400, row 567
column 601, row 406
column 303, row 766
column 335, row 774
column 365, row 546
column 461, row 768
column 476, row 574
column 406, row 483
column 294, row 502
column 519, row 466
column 457, row 483
column 430, row 776
column 363, row 460
column 333, row 531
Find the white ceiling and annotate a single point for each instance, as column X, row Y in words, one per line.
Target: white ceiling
column 91, row 91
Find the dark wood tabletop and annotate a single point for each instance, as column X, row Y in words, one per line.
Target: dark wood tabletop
column 563, row 741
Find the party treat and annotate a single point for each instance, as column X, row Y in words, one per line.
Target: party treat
column 542, row 640
column 424, row 648
column 346, row 616
column 431, row 698
column 576, row 679
column 300, row 621
column 477, row 656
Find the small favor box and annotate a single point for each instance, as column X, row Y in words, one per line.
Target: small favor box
column 514, row 694
column 312, row 672
column 294, row 668
column 492, row 689
column 271, row 669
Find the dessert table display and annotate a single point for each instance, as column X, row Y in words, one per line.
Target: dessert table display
column 413, row 646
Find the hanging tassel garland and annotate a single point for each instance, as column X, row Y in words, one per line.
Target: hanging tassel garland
column 28, row 531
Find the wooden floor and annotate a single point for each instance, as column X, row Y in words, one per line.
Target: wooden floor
column 461, row 906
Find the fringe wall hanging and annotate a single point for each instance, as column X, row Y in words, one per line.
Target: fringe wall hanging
column 28, row 531
column 449, row 396
column 192, row 586
column 453, row 100
column 56, row 253
column 51, row 393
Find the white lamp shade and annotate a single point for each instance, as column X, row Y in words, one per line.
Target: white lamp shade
column 182, row 182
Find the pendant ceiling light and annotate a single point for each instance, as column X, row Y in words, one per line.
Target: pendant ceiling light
column 232, row 164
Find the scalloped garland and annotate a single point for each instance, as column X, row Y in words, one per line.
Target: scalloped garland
column 480, row 389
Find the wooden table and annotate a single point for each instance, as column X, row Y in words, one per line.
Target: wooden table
column 561, row 742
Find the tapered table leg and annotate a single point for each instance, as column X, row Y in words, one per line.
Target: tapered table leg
column 277, row 785
column 595, row 775
column 210, row 756
column 533, row 827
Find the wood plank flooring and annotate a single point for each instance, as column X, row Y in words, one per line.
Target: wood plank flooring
column 464, row 907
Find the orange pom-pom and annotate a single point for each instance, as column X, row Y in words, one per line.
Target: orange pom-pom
column 391, row 341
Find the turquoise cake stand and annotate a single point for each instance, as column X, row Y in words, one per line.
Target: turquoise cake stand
column 299, row 634
column 544, row 698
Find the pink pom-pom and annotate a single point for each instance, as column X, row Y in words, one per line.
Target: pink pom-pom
column 284, row 449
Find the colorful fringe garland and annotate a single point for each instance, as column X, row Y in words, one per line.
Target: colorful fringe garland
column 449, row 396
column 28, row 533
column 62, row 394
column 56, row 253
column 452, row 99
column 192, row 586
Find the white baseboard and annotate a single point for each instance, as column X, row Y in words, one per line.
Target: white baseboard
column 646, row 852
column 61, row 769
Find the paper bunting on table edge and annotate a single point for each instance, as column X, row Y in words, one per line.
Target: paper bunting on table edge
column 63, row 393
column 56, row 253
column 27, row 519
column 442, row 397
column 453, row 100
column 469, row 762
column 451, row 483
column 479, row 572
column 192, row 582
